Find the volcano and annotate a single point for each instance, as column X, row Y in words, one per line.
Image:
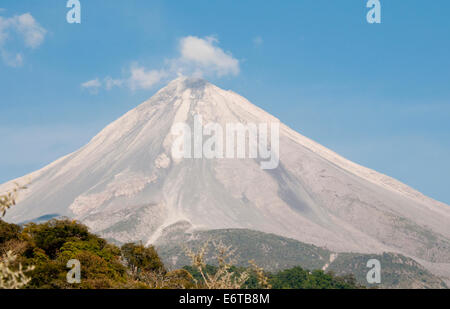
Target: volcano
column 126, row 186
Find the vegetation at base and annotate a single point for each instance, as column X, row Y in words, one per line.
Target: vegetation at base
column 43, row 250
column 49, row 246
column 299, row 278
column 255, row 277
column 293, row 278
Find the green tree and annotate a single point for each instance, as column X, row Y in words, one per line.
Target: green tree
column 299, row 278
column 140, row 258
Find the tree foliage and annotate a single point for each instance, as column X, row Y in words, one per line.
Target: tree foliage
column 46, row 248
column 142, row 259
column 299, row 278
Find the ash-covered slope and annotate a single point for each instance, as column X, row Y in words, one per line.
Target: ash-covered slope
column 125, row 185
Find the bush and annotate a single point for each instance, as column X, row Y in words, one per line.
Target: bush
column 142, row 259
column 8, row 231
column 49, row 246
column 52, row 235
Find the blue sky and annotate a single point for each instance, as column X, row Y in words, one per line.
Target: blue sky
column 378, row 94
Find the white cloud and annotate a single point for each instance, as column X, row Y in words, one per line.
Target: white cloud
column 12, row 60
column 142, row 79
column 28, row 29
column 197, row 56
column 139, row 78
column 92, row 85
column 111, row 83
column 206, row 56
column 33, row 33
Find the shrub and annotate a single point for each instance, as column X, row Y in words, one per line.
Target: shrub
column 142, row 259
